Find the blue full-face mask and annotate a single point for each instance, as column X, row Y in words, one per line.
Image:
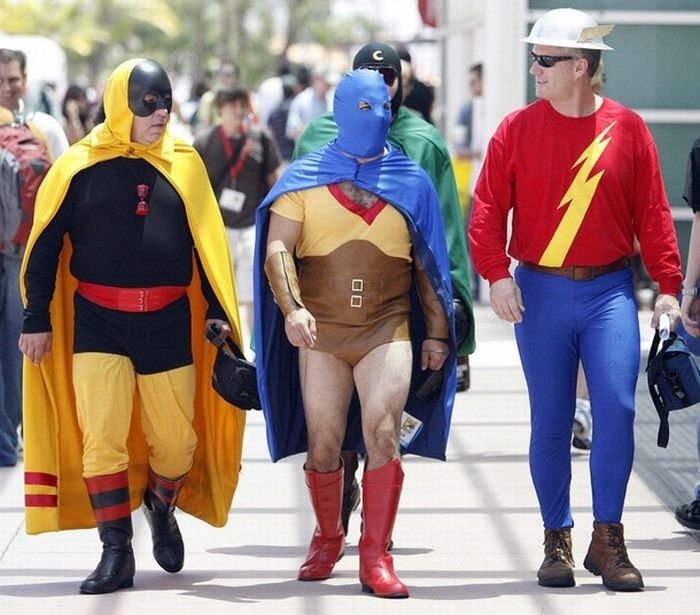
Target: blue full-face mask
column 362, row 110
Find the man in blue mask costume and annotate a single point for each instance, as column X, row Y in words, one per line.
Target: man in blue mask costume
column 353, row 294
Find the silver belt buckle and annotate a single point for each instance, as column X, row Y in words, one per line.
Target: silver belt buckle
column 357, row 285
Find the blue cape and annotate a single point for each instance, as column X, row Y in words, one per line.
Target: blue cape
column 402, row 183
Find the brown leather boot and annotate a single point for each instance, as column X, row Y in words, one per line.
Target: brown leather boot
column 557, row 569
column 607, row 556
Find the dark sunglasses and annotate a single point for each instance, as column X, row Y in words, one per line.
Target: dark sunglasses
column 389, row 75
column 387, row 72
column 548, row 61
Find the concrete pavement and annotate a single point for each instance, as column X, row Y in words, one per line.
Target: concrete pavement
column 468, row 537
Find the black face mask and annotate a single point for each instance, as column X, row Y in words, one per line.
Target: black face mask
column 149, row 89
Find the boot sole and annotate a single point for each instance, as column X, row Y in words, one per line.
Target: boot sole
column 322, row 578
column 368, row 590
column 123, row 585
column 625, row 586
column 568, row 581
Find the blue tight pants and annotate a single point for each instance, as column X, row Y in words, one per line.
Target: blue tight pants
column 594, row 321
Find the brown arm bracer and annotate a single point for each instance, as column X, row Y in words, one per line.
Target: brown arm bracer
column 281, row 273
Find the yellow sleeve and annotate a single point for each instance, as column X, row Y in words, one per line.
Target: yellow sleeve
column 290, row 205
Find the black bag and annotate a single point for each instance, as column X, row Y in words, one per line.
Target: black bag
column 234, row 378
column 674, row 380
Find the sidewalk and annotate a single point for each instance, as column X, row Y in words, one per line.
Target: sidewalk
column 468, row 537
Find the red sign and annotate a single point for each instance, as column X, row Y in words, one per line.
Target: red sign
column 428, row 10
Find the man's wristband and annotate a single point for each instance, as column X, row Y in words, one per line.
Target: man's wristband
column 690, row 292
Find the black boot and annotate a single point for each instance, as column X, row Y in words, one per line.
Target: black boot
column 351, row 489
column 159, row 508
column 116, row 567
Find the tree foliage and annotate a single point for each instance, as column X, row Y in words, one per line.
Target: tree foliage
column 185, row 35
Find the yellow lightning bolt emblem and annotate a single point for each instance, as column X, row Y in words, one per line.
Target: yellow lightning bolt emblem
column 579, row 197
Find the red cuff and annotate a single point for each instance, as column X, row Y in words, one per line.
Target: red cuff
column 497, row 273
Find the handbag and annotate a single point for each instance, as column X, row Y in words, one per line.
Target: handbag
column 234, row 378
column 673, row 378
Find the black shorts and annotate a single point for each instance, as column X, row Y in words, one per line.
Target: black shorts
column 154, row 341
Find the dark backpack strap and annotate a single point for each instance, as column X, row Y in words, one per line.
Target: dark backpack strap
column 236, row 350
column 653, row 368
column 654, row 347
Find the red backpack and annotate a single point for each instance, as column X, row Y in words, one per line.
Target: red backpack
column 24, row 161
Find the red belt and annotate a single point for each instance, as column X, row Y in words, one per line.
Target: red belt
column 131, row 299
column 578, row 272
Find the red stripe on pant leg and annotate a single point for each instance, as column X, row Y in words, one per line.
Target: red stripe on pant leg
column 107, row 482
column 111, row 513
column 165, row 489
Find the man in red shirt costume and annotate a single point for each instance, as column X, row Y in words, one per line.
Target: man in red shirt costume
column 581, row 176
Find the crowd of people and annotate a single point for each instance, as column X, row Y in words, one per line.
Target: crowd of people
column 316, row 223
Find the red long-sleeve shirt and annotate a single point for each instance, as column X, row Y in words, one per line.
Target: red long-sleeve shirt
column 580, row 190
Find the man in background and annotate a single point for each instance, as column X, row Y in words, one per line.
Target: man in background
column 51, row 142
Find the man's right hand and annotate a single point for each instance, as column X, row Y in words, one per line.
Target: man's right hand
column 35, row 345
column 506, row 300
column 300, row 327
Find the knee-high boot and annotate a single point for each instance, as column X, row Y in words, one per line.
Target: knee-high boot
column 159, row 508
column 109, row 497
column 328, row 542
column 381, row 490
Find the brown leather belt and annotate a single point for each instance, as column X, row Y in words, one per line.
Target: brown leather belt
column 131, row 299
column 578, row 272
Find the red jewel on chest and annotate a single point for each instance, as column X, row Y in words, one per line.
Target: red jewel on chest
column 142, row 204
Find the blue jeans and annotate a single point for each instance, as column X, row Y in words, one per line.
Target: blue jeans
column 594, row 321
column 11, row 316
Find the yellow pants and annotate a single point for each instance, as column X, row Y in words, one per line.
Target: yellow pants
column 104, row 389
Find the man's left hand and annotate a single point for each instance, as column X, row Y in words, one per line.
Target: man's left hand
column 433, row 354
column 666, row 304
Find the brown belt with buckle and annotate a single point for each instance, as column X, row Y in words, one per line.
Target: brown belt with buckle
column 131, row 299
column 578, row 272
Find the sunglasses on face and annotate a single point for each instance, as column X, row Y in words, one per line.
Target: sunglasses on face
column 388, row 74
column 548, row 61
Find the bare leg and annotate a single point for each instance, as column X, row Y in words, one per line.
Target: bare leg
column 327, row 387
column 383, row 377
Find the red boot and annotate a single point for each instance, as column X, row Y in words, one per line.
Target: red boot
column 328, row 542
column 381, row 490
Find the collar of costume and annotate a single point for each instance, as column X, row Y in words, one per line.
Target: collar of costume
column 401, row 182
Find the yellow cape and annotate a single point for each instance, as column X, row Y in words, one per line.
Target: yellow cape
column 55, row 494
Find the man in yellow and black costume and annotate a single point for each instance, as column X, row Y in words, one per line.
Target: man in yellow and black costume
column 126, row 264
